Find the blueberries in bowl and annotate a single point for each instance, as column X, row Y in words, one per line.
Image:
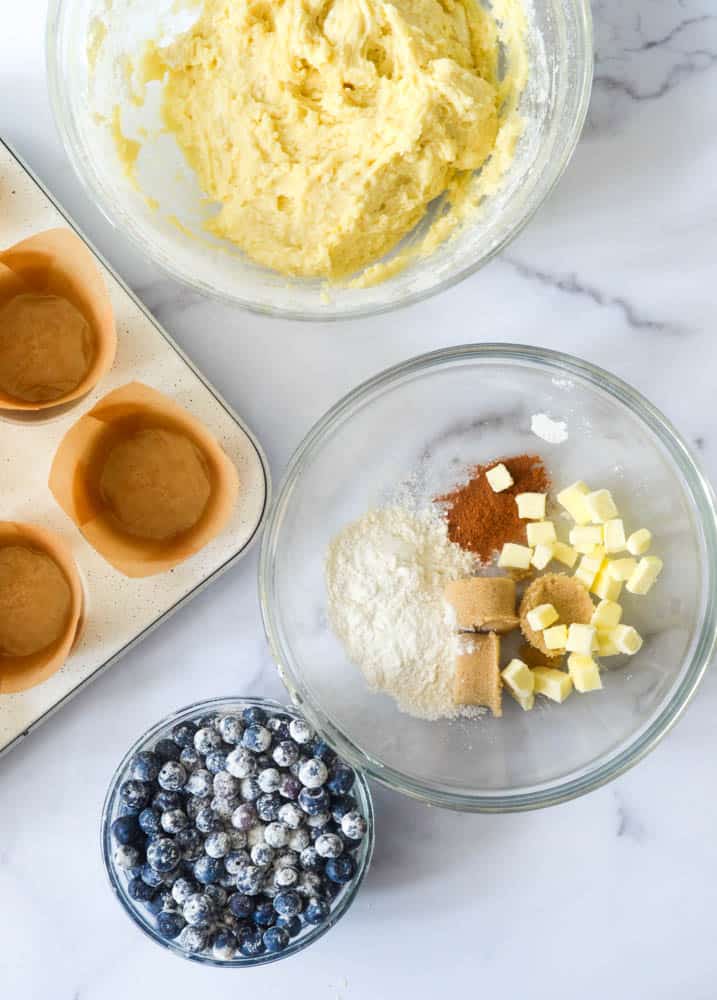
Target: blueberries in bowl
column 232, row 835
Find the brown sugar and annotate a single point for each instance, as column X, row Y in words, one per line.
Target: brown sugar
column 569, row 597
column 477, row 681
column 483, row 603
column 483, row 521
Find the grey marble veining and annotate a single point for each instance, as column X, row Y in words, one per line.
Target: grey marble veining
column 611, row 895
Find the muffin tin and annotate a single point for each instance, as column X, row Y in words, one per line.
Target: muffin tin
column 119, row 611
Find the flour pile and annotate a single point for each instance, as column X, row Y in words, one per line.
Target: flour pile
column 385, row 576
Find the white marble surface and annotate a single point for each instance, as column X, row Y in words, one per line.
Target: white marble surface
column 610, row 895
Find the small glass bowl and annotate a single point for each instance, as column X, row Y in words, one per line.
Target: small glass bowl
column 143, row 919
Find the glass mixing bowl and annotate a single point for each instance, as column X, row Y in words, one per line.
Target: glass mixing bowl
column 423, row 423
column 142, row 917
column 85, row 69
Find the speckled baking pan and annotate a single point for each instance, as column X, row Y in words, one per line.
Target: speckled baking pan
column 119, row 611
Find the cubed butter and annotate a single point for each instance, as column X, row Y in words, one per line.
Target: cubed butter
column 542, row 617
column 554, row 684
column 626, row 638
column 526, row 701
column 584, row 538
column 606, row 615
column 542, row 556
column 556, row 637
column 621, row 569
column 584, row 673
column 605, row 587
column 518, row 677
column 499, row 478
column 639, row 542
column 600, row 506
column 613, row 533
column 572, row 499
column 514, row 556
column 540, row 533
column 565, row 554
column 531, row 506
column 588, row 569
column 580, row 639
column 646, row 572
column 606, row 645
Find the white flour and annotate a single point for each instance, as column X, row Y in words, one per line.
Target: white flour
column 385, row 576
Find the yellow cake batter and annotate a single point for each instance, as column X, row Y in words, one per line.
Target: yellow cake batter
column 324, row 128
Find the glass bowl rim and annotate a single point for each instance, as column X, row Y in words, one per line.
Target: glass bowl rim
column 70, row 142
column 296, row 945
column 631, row 751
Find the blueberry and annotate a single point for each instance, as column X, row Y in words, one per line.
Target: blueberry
column 167, row 750
column 170, row 925
column 218, row 844
column 331, row 890
column 208, row 721
column 135, row 794
column 163, row 801
column 157, row 904
column 144, row 766
column 139, row 890
column 290, row 787
column 311, row 884
column 263, row 915
column 285, row 878
column 215, row 761
column 206, row 820
column 237, row 838
column 320, row 823
column 126, row 830
column 230, row 729
column 224, row 806
column 250, row 790
column 250, row 880
column 288, row 903
column 125, row 856
column 193, row 939
column 300, row 731
column 151, row 877
column 200, row 783
column 198, row 911
column 223, row 945
column 207, row 870
column 244, row 817
column 235, row 861
column 291, row 924
column 340, row 870
column 341, row 779
column 254, row 716
column 193, row 805
column 241, row 763
column 183, row 733
column 269, row 779
column 241, row 906
column 163, row 854
column 353, row 825
column 256, row 738
column 285, row 753
column 313, row 773
column 299, row 839
column 190, row 759
column 206, row 740
column 328, row 845
column 310, row 860
column 262, row 855
column 275, row 939
column 340, row 805
column 267, row 806
column 323, row 751
column 317, row 910
column 291, row 815
column 287, row 859
column 225, row 785
column 251, row 942
column 218, row 896
column 174, row 820
column 190, row 843
column 172, row 776
column 276, row 834
column 182, row 889
column 313, row 800
column 278, row 726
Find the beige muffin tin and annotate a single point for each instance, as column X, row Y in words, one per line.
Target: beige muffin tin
column 119, row 611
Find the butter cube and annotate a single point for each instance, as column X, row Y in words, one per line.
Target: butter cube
column 541, row 617
column 605, row 587
column 621, row 569
column 584, row 673
column 554, row 684
column 514, row 556
column 541, row 533
column 588, row 570
column 646, row 572
column 556, row 637
column 606, row 645
column 518, row 678
column 639, row 542
column 499, row 478
column 580, row 639
column 526, row 701
column 531, row 506
column 565, row 554
column 542, row 555
column 600, row 506
column 626, row 638
column 573, row 500
column 606, row 615
column 613, row 533
column 584, row 538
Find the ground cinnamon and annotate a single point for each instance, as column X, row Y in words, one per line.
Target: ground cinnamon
column 483, row 521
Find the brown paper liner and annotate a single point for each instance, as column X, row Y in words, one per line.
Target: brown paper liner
column 18, row 673
column 57, row 262
column 74, row 473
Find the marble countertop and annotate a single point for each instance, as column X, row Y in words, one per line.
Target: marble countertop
column 611, row 895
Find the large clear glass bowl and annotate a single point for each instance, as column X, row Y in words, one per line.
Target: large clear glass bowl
column 423, row 422
column 553, row 108
column 118, row 878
